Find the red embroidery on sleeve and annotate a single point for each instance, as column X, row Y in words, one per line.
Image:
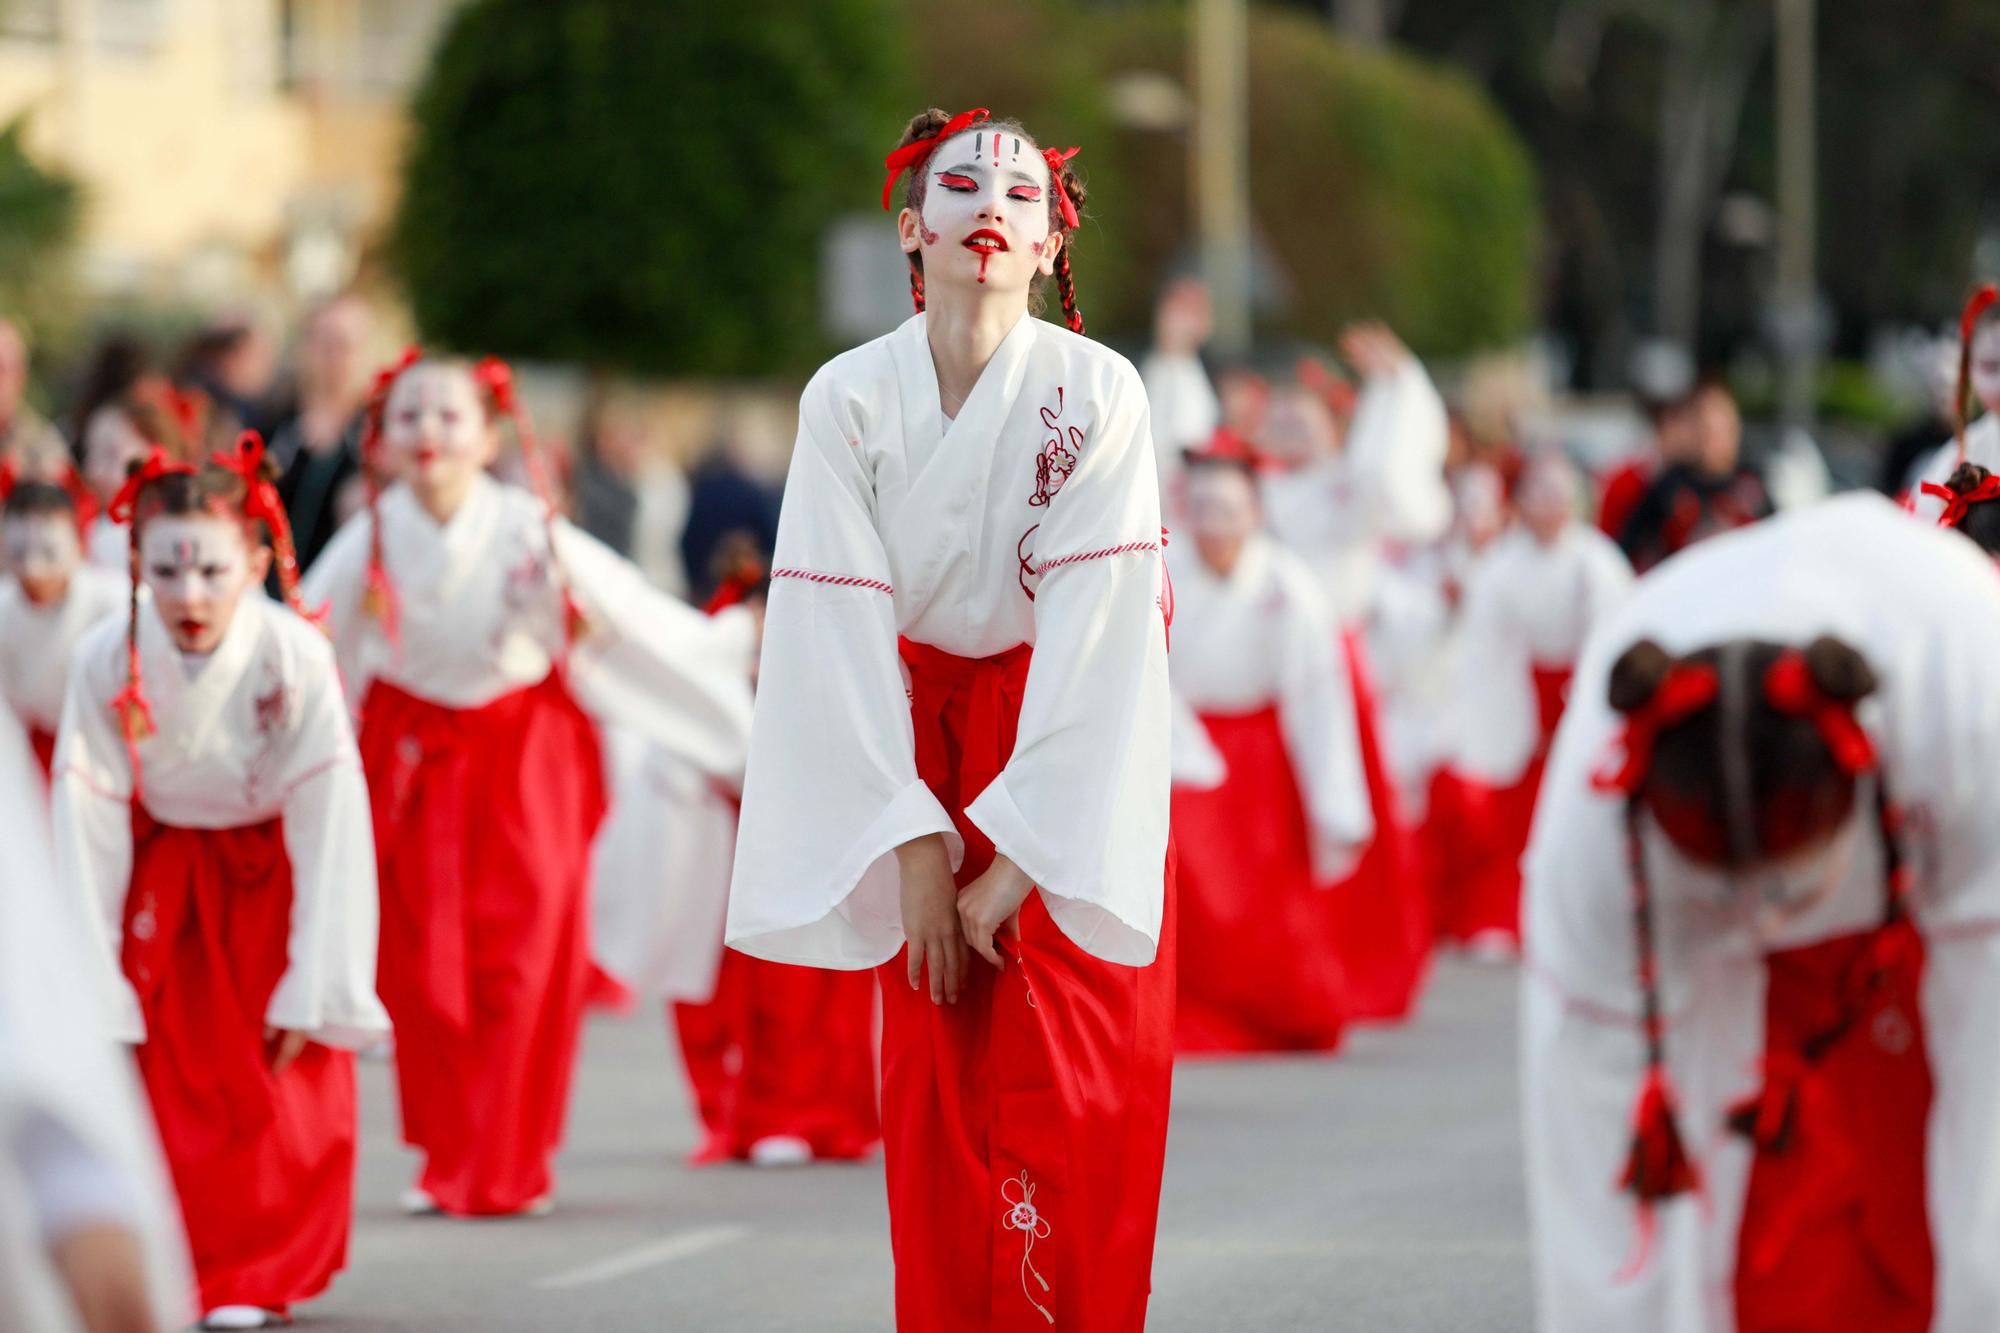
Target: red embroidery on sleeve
column 1059, row 454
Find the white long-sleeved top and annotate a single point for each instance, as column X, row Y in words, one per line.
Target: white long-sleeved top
column 1261, row 636
column 1526, row 605
column 481, row 616
column 1924, row 607
column 36, row 641
column 258, row 731
column 1033, row 517
column 64, row 1085
column 1386, row 484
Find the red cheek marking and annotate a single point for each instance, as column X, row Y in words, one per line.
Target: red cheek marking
column 923, row 229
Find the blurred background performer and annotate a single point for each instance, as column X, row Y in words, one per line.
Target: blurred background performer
column 48, row 600
column 1530, row 604
column 210, row 813
column 1764, row 904
column 1256, row 657
column 485, row 639
column 982, row 484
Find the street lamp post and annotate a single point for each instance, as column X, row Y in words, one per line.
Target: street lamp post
column 1797, row 311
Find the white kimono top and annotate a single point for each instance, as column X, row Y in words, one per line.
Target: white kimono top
column 76, row 1143
column 1386, row 485
column 257, row 731
column 1924, row 607
column 1413, row 651
column 1262, row 636
column 1033, row 517
column 36, row 642
column 480, row 616
column 1526, row 605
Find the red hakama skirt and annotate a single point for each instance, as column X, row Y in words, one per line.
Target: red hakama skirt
column 1378, row 916
column 263, row 1163
column 782, row 1050
column 1488, row 899
column 1025, row 1125
column 1836, row 1235
column 484, row 819
column 1256, row 970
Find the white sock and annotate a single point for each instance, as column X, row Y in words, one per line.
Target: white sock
column 780, row 1150
column 236, row 1316
column 416, row 1203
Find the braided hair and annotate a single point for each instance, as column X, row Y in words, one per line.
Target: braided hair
column 928, row 125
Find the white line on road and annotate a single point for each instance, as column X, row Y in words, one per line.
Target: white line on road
column 680, row 1245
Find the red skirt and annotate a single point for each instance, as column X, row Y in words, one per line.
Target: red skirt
column 1497, row 821
column 1836, row 1235
column 263, row 1163
column 1256, row 972
column 1378, row 916
column 483, row 823
column 782, row 1050
column 1026, row 1124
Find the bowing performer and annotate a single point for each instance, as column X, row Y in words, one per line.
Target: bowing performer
column 51, row 597
column 1531, row 601
column 958, row 769
column 211, row 815
column 485, row 639
column 1257, row 658
column 1763, row 923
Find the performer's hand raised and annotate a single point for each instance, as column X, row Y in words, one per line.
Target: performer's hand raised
column 990, row 904
column 930, row 919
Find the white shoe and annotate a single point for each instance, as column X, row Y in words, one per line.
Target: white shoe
column 1492, row 946
column 780, row 1150
column 541, row 1207
column 242, row 1316
column 416, row 1203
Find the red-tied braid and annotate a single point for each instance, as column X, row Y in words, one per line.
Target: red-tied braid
column 378, row 598
column 133, row 710
column 497, row 378
column 262, row 504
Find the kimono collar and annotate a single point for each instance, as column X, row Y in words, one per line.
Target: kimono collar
column 195, row 699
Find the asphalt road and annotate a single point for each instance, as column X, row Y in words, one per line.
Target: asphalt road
column 1378, row 1192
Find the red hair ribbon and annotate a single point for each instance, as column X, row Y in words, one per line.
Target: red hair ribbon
column 184, row 409
column 10, row 477
column 1976, row 305
column 1957, row 504
column 81, row 497
column 158, row 463
column 1055, row 159
column 1790, row 688
column 262, row 503
column 910, row 157
column 1688, row 688
column 497, row 378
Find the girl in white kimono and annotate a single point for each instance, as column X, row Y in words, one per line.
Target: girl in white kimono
column 51, row 598
column 210, row 814
column 1763, row 899
column 483, row 639
column 961, row 748
column 1531, row 601
column 1257, row 659
column 1977, row 442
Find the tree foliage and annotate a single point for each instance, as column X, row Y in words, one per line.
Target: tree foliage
column 40, row 211
column 640, row 187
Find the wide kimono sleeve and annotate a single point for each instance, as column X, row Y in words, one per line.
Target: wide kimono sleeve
column 832, row 788
column 337, row 585
column 654, row 665
column 1082, row 804
column 1499, row 723
column 328, row 988
column 1316, row 708
column 92, row 808
column 1396, row 445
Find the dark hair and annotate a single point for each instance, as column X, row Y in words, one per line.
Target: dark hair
column 118, row 361
column 30, row 499
column 1981, row 519
column 928, row 125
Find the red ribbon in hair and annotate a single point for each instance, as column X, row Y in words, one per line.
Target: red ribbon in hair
column 158, row 463
column 262, row 503
column 1790, row 688
column 1976, row 305
column 497, row 378
column 184, row 409
column 1056, row 159
column 1957, row 504
column 1688, row 688
column 910, row 157
column 10, row 477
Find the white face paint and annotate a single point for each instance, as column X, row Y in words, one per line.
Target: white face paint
column 1221, row 504
column 1986, row 366
column 436, row 433
column 1298, row 427
column 985, row 216
column 198, row 568
column 1548, row 497
column 42, row 553
column 111, row 444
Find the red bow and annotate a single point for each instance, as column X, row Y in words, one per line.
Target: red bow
column 80, row 497
column 497, row 378
column 910, row 157
column 1688, row 688
column 10, row 477
column 1957, row 504
column 1055, row 159
column 378, row 397
column 158, row 464
column 1791, row 690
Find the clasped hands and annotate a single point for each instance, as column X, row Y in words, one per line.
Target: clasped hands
column 943, row 924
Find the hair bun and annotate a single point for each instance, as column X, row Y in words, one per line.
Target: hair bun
column 1967, row 478
column 1637, row 675
column 924, row 125
column 1840, row 671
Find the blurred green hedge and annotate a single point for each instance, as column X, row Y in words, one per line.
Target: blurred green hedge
column 40, row 213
